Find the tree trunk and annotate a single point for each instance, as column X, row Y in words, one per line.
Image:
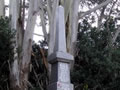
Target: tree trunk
column 2, row 8
column 52, row 27
column 95, row 8
column 22, row 48
column 14, row 72
column 27, row 44
column 71, row 28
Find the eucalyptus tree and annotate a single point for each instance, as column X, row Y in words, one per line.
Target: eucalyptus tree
column 23, row 41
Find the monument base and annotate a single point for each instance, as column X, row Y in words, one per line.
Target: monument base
column 60, row 86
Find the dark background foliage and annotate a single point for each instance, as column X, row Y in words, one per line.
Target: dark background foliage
column 38, row 76
column 97, row 62
column 5, row 52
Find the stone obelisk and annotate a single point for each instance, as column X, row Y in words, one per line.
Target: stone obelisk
column 60, row 60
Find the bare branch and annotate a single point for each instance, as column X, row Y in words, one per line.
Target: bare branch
column 38, row 35
column 43, row 21
column 101, row 17
column 115, row 35
column 95, row 8
column 73, row 26
column 111, row 9
column 67, row 6
column 49, row 8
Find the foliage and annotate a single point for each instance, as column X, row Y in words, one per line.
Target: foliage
column 6, row 53
column 38, row 76
column 97, row 62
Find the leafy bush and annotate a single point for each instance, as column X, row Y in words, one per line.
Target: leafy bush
column 6, row 54
column 38, row 76
column 97, row 62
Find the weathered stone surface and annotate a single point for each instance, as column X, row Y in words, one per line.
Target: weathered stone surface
column 60, row 60
column 60, row 72
column 60, row 86
column 60, row 53
column 60, row 41
column 60, row 56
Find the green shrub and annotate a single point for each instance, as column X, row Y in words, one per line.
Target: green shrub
column 97, row 63
column 6, row 54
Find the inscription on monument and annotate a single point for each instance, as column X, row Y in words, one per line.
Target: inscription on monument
column 64, row 72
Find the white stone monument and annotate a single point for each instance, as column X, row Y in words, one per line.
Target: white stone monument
column 60, row 60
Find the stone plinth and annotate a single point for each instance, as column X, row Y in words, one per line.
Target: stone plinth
column 60, row 71
column 60, row 86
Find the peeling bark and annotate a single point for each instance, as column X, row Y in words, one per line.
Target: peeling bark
column 72, row 27
column 14, row 72
column 20, row 66
column 27, row 44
